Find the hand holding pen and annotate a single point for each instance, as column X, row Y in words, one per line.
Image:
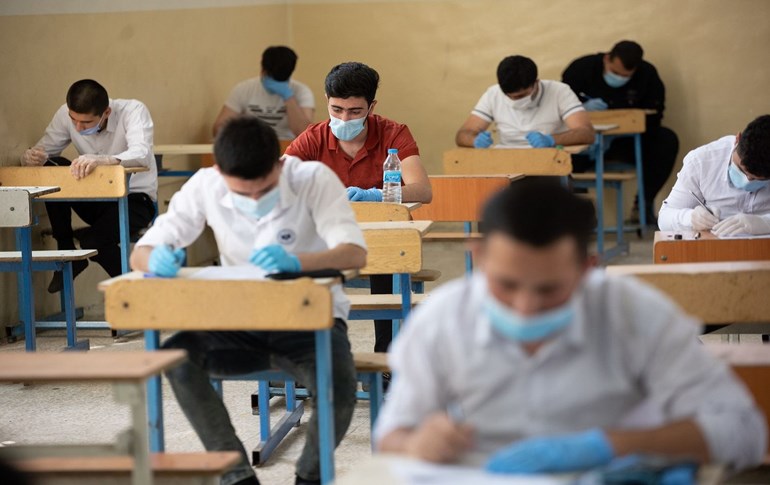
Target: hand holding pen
column 442, row 437
column 703, row 217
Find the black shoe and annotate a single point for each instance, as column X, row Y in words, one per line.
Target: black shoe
column 248, row 481
column 301, row 481
column 57, row 282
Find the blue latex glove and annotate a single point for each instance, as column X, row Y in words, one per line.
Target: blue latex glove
column 281, row 88
column 357, row 194
column 165, row 261
column 274, row 258
column 553, row 454
column 595, row 104
column 540, row 140
column 483, row 140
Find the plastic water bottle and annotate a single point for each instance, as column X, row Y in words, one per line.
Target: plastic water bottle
column 391, row 177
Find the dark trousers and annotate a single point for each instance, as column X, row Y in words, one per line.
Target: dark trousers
column 104, row 231
column 223, row 354
column 383, row 329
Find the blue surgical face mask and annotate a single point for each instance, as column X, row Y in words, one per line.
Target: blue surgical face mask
column 94, row 129
column 538, row 327
column 614, row 80
column 256, row 209
column 347, row 130
column 741, row 181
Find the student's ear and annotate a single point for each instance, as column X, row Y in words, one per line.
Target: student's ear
column 737, row 138
column 107, row 112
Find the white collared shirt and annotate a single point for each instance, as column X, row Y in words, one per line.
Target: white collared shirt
column 128, row 137
column 313, row 214
column 629, row 349
column 554, row 102
column 704, row 172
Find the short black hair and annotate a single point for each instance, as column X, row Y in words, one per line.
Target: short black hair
column 246, row 148
column 88, row 97
column 352, row 80
column 515, row 73
column 754, row 147
column 629, row 52
column 278, row 62
column 539, row 211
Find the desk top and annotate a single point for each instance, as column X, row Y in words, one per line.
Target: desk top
column 421, row 226
column 510, row 176
column 136, row 169
column 184, row 149
column 668, row 236
column 85, row 366
column 602, row 127
column 105, row 182
column 34, row 191
column 688, row 268
column 574, row 149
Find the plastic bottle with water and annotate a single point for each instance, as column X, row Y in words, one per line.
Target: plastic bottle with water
column 391, row 177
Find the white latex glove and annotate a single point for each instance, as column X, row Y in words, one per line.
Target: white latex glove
column 34, row 157
column 83, row 165
column 701, row 219
column 742, row 224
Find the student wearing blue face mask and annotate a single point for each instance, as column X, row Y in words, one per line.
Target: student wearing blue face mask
column 282, row 215
column 622, row 79
column 104, row 131
column 731, row 176
column 552, row 362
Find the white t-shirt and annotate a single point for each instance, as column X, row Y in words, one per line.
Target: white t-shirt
column 628, row 349
column 250, row 97
column 554, row 102
column 312, row 215
column 128, row 137
column 705, row 174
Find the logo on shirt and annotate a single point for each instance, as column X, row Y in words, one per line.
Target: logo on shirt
column 286, row 236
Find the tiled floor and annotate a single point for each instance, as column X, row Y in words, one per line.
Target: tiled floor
column 80, row 414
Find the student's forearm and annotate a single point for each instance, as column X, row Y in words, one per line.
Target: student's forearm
column 577, row 136
column 395, row 441
column 417, row 193
column 140, row 258
column 465, row 138
column 344, row 256
column 298, row 119
column 682, row 439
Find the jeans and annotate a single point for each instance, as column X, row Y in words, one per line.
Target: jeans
column 383, row 329
column 223, row 354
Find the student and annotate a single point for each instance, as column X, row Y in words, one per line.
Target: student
column 730, row 176
column 528, row 112
column 354, row 143
column 283, row 103
column 279, row 214
column 552, row 362
column 622, row 79
column 105, row 132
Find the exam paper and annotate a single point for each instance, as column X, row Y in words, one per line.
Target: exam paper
column 411, row 472
column 745, row 236
column 244, row 272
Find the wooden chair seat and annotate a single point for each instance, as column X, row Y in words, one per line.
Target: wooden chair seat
column 382, row 302
column 608, row 176
column 423, row 275
column 371, row 361
column 47, row 256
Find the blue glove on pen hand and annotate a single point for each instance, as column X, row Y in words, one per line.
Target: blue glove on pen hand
column 540, row 140
column 275, row 259
column 165, row 261
column 553, row 454
column 595, row 104
column 281, row 88
column 357, row 194
column 483, row 140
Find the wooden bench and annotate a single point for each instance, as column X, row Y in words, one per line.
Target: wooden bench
column 189, row 468
column 359, row 303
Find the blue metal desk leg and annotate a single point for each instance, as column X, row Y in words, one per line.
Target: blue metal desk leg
column 600, row 195
column 69, row 306
column 26, row 298
column 640, row 183
column 325, row 405
column 124, row 233
column 375, row 400
column 154, row 398
column 468, row 255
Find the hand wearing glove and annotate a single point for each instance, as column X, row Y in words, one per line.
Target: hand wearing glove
column 83, row 165
column 165, row 261
column 553, row 454
column 742, row 224
column 34, row 157
column 483, row 140
column 275, row 259
column 540, row 140
column 357, row 194
column 281, row 88
column 701, row 220
column 595, row 104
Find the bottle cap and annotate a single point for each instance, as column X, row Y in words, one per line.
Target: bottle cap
column 392, row 150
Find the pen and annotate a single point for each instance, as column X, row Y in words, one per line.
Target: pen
column 702, row 203
column 584, row 96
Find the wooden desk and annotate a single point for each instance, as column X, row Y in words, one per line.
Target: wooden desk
column 491, row 161
column 695, row 247
column 460, row 198
column 205, row 150
column 127, row 371
column 383, row 211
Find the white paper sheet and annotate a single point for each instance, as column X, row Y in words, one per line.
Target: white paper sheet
column 245, row 272
column 416, row 472
column 745, row 236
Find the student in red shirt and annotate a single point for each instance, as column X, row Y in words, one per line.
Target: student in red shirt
column 354, row 143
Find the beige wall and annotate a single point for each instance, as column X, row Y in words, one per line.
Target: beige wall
column 435, row 59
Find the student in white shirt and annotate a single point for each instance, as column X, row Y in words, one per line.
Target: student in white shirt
column 283, row 103
column 551, row 361
column 732, row 177
column 280, row 214
column 104, row 131
column 528, row 112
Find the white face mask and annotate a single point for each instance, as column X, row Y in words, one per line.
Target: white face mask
column 527, row 102
column 256, row 209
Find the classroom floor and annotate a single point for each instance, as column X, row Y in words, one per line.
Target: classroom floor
column 87, row 413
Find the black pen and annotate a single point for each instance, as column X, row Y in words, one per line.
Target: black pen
column 703, row 204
